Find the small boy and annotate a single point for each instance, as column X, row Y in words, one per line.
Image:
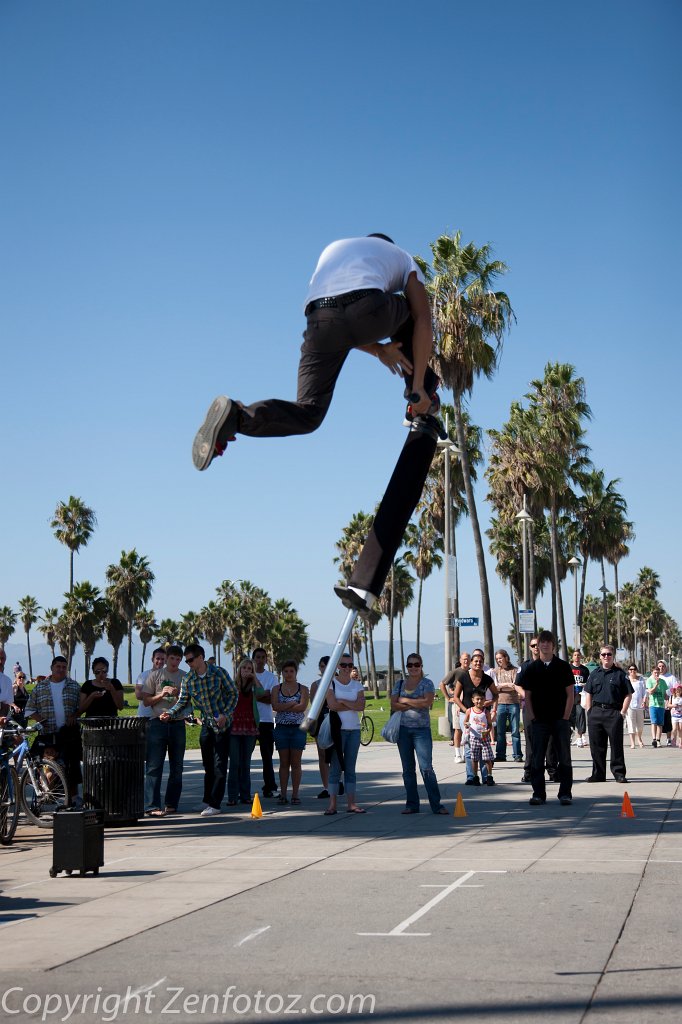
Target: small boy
column 478, row 726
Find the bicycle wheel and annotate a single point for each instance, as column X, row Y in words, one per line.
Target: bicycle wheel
column 366, row 730
column 9, row 803
column 50, row 792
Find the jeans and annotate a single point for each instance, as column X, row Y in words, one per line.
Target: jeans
column 452, row 715
column 467, row 754
column 266, row 741
column 239, row 775
column 508, row 716
column 419, row 742
column 350, row 744
column 164, row 738
column 215, row 749
column 560, row 732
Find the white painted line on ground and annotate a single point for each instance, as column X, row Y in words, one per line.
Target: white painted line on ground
column 19, row 920
column 400, row 929
column 253, row 935
column 147, row 988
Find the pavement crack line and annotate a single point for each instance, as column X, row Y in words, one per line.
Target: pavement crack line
column 605, row 969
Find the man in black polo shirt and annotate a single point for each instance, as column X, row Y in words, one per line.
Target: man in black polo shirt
column 607, row 698
column 548, row 687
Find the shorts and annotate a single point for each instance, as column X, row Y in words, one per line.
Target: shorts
column 656, row 715
column 635, row 720
column 481, row 750
column 289, row 737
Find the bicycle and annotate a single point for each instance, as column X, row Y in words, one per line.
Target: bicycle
column 9, row 791
column 366, row 730
column 42, row 787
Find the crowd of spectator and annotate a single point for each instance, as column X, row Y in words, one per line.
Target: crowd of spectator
column 558, row 703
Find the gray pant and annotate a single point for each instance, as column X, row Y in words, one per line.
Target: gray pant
column 331, row 333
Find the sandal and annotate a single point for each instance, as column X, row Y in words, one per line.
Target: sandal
column 410, row 810
column 357, row 810
column 156, row 813
column 329, row 811
column 295, row 800
column 281, row 800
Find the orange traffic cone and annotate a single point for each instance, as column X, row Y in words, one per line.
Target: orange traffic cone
column 626, row 810
column 256, row 809
column 460, row 809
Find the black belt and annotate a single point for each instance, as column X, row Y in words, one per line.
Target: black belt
column 609, row 707
column 334, row 301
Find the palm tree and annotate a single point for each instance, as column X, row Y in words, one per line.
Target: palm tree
column 146, row 626
column 28, row 609
column 115, row 628
column 190, row 629
column 48, row 626
column 289, row 635
column 129, row 589
column 470, row 321
column 8, row 622
column 168, row 632
column 599, row 513
column 212, row 623
column 397, row 594
column 73, row 524
column 86, row 610
column 559, row 406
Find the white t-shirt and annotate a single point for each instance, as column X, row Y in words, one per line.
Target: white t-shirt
column 267, row 681
column 6, row 689
column 142, row 711
column 354, row 263
column 58, row 703
column 348, row 691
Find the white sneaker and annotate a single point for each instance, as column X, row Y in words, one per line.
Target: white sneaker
column 459, row 759
column 201, row 807
column 208, row 812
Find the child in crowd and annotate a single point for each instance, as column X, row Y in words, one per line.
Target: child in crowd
column 478, row 727
column 676, row 715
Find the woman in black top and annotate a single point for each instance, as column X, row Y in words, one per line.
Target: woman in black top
column 101, row 697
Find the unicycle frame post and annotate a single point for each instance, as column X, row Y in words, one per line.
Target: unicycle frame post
column 328, row 676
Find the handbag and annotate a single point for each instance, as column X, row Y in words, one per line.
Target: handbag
column 324, row 734
column 391, row 730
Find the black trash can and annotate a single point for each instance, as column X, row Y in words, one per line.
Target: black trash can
column 113, row 767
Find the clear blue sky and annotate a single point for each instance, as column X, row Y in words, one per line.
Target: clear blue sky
column 171, row 171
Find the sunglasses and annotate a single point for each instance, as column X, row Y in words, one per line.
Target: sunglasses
column 533, row 645
column 414, row 664
column 345, row 664
column 189, row 660
column 605, row 654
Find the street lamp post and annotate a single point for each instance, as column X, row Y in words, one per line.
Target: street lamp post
column 524, row 518
column 575, row 564
column 618, row 608
column 635, row 620
column 448, row 448
column 648, row 646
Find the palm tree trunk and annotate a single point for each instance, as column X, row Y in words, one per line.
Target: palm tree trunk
column 558, row 606
column 130, row 653
column 515, row 620
column 144, row 651
column 606, row 612
column 30, row 663
column 364, row 641
column 419, row 611
column 115, row 666
column 581, row 606
column 475, row 526
column 402, row 645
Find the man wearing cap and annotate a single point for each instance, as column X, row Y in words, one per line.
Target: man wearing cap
column 608, row 693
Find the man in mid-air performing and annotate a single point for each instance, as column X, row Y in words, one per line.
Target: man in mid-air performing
column 352, row 302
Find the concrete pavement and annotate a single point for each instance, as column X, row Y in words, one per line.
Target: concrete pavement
column 511, row 912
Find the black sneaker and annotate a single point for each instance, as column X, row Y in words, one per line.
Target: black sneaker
column 356, row 599
column 324, row 795
column 214, row 433
column 525, row 777
column 535, row 801
column 565, row 801
column 490, row 780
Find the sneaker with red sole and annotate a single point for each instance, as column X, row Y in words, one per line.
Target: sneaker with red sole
column 213, row 435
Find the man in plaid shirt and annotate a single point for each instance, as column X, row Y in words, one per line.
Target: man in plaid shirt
column 54, row 703
column 212, row 692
